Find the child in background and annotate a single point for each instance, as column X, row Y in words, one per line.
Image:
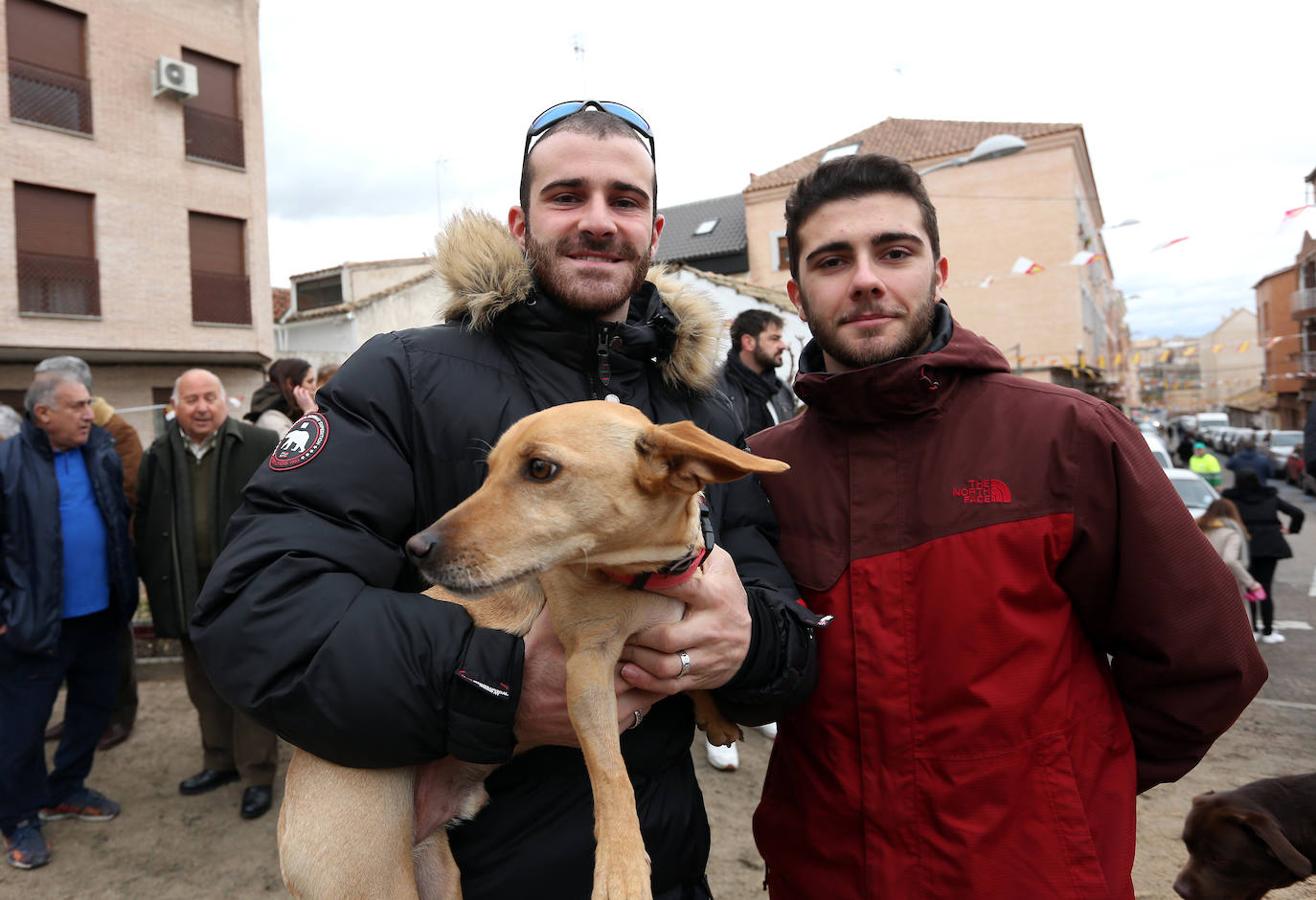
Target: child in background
column 1224, row 528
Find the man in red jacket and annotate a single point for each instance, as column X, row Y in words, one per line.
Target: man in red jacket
column 1029, row 628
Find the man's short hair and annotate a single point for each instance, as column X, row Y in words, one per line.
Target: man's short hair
column 11, row 423
column 752, row 322
column 42, row 390
column 850, row 178
column 173, row 395
column 596, row 124
column 67, row 364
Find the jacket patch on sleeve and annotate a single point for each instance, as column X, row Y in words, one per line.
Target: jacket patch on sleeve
column 301, row 444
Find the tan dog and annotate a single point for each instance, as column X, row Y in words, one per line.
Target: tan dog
column 578, row 498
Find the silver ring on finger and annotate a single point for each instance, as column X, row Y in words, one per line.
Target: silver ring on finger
column 639, row 717
column 684, row 656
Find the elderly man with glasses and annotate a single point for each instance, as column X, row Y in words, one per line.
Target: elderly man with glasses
column 311, row 620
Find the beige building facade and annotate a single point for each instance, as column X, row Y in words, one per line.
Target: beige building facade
column 132, row 195
column 1063, row 323
column 1231, row 362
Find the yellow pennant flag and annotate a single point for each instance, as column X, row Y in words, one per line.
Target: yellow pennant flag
column 1216, row 348
column 1119, row 360
column 1165, row 356
column 1101, row 362
column 1137, row 359
column 1242, row 348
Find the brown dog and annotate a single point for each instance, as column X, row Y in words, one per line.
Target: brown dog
column 579, row 499
column 1245, row 842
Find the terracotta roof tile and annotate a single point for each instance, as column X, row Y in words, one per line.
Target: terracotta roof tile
column 282, row 300
column 911, row 140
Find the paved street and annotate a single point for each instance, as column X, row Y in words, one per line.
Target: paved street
column 1292, row 682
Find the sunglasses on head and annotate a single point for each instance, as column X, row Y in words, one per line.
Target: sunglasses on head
column 559, row 111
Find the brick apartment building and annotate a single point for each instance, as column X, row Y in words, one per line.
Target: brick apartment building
column 132, row 195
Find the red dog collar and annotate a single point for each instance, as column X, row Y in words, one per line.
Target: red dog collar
column 677, row 572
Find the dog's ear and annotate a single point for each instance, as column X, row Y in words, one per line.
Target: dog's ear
column 684, row 457
column 1264, row 826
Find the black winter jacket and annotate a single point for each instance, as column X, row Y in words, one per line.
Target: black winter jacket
column 752, row 394
column 163, row 529
column 1259, row 508
column 311, row 622
column 31, row 557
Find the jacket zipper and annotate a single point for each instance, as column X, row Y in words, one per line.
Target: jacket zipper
column 604, row 368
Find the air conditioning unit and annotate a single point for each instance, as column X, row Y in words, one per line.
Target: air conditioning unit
column 175, row 78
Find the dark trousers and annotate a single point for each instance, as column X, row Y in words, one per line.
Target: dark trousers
column 88, row 659
column 229, row 739
column 125, row 704
column 1262, row 568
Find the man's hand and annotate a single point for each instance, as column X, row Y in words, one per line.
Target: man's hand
column 541, row 715
column 714, row 633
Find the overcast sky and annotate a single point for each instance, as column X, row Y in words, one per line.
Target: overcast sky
column 383, row 117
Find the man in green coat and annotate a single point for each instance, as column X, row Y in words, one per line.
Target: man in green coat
column 191, row 482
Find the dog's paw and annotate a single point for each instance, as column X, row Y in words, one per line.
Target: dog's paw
column 724, row 734
column 621, row 875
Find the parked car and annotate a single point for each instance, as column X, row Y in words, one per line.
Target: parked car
column 1279, row 447
column 1196, row 494
column 1293, row 467
column 1158, row 450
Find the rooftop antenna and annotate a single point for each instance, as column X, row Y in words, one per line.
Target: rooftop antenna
column 578, row 48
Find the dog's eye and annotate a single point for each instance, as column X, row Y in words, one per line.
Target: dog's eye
column 541, row 469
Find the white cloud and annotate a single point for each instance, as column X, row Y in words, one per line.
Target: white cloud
column 1191, row 117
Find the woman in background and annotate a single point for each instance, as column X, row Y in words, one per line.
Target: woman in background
column 286, row 397
column 1258, row 508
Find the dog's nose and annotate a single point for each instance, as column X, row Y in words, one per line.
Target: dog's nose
column 420, row 546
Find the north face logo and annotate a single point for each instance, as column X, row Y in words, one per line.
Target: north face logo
column 984, row 490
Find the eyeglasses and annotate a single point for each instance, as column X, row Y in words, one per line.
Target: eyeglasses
column 559, row 111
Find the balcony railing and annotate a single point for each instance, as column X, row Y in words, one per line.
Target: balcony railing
column 213, row 137
column 58, row 285
column 1306, row 361
column 47, row 97
column 221, row 299
column 1303, row 303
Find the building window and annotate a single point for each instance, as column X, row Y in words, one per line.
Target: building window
column 318, row 293
column 220, row 291
column 57, row 269
column 48, row 65
column 212, row 120
column 783, row 253
column 706, row 227
column 838, row 152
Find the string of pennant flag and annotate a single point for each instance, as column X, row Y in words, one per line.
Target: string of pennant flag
column 1024, row 265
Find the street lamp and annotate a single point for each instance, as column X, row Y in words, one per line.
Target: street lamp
column 994, row 147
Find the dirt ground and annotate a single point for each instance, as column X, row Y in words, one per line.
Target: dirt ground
column 168, row 846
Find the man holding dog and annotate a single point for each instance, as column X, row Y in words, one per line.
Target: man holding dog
column 1033, row 629
column 311, row 619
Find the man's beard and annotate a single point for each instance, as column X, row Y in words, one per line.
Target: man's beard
column 764, row 360
column 577, row 291
column 860, row 355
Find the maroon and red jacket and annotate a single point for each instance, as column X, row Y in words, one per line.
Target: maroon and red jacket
column 984, row 542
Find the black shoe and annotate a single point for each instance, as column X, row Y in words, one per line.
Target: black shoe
column 115, row 735
column 206, row 780
column 256, row 801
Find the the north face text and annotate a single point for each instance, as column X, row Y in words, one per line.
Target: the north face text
column 984, row 490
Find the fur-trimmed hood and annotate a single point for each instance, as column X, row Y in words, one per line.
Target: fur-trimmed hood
column 485, row 273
